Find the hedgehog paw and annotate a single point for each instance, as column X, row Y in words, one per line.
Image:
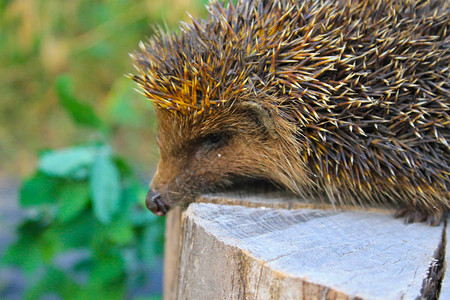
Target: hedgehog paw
column 413, row 215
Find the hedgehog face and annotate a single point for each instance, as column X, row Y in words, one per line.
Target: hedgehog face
column 200, row 155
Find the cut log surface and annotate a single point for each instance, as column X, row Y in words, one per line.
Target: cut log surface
column 242, row 252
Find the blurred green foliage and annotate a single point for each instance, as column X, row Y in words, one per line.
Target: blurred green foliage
column 90, row 40
column 84, row 198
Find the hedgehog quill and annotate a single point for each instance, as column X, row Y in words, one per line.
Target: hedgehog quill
column 345, row 101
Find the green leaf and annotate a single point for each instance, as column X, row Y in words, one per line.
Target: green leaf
column 111, row 291
column 71, row 200
column 49, row 245
column 132, row 194
column 54, row 281
column 26, row 252
column 105, row 187
column 23, row 254
column 79, row 232
column 39, row 189
column 81, row 113
column 120, row 232
column 108, row 267
column 123, row 166
column 152, row 244
column 142, row 217
column 68, row 162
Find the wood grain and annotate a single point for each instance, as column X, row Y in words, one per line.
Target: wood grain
column 249, row 252
column 172, row 248
column 445, row 287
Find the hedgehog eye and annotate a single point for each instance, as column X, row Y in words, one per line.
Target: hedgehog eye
column 214, row 139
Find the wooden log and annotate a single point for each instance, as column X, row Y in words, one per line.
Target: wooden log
column 172, row 252
column 445, row 287
column 244, row 252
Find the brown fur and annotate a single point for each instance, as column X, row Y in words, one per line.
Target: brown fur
column 188, row 167
column 342, row 100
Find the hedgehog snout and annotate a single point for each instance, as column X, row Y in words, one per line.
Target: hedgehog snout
column 155, row 203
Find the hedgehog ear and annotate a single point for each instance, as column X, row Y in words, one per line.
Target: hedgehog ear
column 262, row 115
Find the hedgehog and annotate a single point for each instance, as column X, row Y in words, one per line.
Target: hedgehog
column 344, row 101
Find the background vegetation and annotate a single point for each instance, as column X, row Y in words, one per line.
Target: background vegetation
column 72, row 126
column 90, row 40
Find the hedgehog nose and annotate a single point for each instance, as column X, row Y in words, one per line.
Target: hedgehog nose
column 155, row 203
